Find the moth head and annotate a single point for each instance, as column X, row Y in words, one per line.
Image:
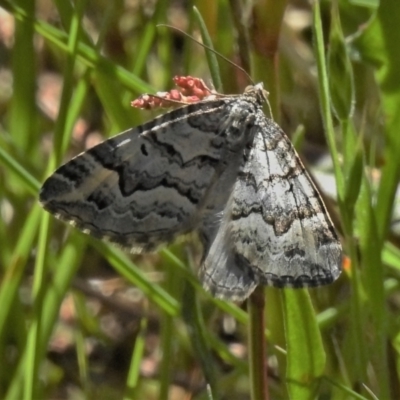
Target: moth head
column 258, row 92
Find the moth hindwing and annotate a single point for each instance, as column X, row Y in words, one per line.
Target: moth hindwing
column 218, row 166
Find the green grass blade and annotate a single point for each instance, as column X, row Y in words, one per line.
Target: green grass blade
column 211, row 57
column 23, row 117
column 136, row 359
column 325, row 97
column 305, row 352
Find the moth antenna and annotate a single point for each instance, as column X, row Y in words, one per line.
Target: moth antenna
column 210, row 49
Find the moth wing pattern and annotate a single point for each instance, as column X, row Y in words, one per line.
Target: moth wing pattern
column 275, row 229
column 218, row 166
column 145, row 186
column 223, row 273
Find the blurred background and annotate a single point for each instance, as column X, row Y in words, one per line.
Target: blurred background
column 79, row 319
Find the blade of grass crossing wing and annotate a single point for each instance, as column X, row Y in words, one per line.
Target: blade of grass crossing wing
column 133, row 274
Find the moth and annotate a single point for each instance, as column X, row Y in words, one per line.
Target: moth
column 217, row 166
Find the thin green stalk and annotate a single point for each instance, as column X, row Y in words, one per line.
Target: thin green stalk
column 23, row 98
column 136, row 360
column 325, row 103
column 28, row 181
column 211, row 57
column 14, row 273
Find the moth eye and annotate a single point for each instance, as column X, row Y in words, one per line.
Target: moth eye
column 144, row 150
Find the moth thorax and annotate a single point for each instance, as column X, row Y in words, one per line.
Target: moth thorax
column 238, row 130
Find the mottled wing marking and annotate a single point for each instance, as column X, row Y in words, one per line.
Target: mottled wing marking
column 275, row 229
column 145, row 186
